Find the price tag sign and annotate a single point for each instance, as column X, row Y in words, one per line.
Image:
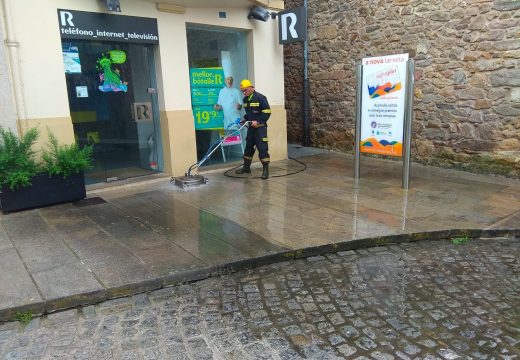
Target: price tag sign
column 204, row 96
column 207, row 118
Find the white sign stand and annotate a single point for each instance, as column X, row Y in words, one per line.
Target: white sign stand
column 384, row 110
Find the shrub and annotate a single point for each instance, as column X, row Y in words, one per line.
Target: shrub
column 64, row 160
column 17, row 158
column 17, row 163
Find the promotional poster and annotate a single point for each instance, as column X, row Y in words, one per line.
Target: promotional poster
column 383, row 100
column 205, row 85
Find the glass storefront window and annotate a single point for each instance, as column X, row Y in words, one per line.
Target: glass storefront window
column 112, row 107
column 215, row 54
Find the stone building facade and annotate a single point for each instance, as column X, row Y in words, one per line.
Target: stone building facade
column 467, row 90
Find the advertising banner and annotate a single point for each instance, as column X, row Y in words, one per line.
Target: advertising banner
column 205, row 86
column 383, row 100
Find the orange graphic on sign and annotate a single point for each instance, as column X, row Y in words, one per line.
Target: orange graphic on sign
column 383, row 147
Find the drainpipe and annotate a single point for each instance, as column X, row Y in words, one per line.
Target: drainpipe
column 306, row 100
column 14, row 65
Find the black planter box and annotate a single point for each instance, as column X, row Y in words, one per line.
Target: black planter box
column 44, row 191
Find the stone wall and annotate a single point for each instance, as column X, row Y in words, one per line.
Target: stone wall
column 467, row 93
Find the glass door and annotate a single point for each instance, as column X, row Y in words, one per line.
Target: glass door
column 218, row 53
column 113, row 106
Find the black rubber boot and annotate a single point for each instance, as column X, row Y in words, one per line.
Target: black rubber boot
column 246, row 168
column 265, row 173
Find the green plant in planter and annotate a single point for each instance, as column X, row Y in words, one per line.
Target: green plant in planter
column 56, row 178
column 64, row 160
column 17, row 162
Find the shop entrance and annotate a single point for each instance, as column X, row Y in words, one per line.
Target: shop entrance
column 214, row 54
column 113, row 106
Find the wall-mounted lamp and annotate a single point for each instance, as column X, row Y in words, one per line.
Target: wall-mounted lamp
column 259, row 13
column 112, row 5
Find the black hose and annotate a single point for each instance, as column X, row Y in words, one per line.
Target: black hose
column 226, row 173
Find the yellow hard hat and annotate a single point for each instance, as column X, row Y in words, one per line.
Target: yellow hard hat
column 244, row 84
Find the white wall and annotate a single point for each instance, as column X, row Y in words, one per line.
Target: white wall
column 7, row 105
column 268, row 61
column 172, row 71
column 41, row 63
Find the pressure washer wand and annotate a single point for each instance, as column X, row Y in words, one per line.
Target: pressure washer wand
column 207, row 156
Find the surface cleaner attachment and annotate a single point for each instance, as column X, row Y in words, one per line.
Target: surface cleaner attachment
column 192, row 180
column 189, row 180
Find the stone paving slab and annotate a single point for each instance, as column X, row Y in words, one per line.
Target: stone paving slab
column 147, row 235
column 18, row 289
column 5, row 243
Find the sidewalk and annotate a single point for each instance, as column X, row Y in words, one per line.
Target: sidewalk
column 139, row 237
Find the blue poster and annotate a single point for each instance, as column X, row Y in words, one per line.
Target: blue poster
column 205, row 87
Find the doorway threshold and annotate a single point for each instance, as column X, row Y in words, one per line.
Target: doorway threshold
column 138, row 180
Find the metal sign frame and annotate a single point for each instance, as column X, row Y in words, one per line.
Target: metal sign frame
column 407, row 126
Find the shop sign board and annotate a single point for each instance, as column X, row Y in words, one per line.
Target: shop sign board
column 292, row 25
column 383, row 104
column 85, row 25
column 205, row 87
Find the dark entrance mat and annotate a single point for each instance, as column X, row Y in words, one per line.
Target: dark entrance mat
column 89, row 202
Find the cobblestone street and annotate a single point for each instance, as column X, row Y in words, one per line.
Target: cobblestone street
column 425, row 300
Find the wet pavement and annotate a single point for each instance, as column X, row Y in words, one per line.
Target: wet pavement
column 425, row 300
column 139, row 237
